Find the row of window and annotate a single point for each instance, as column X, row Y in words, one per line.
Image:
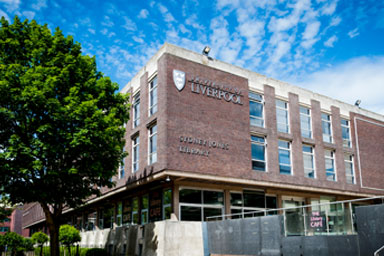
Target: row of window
column 198, row 205
column 256, row 106
column 285, row 160
column 137, row 210
column 152, row 108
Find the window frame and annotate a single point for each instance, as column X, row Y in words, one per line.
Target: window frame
column 348, row 126
column 261, row 102
column 329, row 123
column 253, row 142
column 332, row 158
column 135, row 153
column 152, row 156
column 351, row 162
column 202, row 205
column 286, row 109
column 289, row 149
column 136, row 112
column 309, row 116
column 312, row 154
column 152, row 108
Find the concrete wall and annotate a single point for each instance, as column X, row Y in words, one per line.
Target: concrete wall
column 164, row 238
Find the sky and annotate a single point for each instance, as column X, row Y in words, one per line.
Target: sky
column 332, row 47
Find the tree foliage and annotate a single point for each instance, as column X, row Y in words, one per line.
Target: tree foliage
column 5, row 208
column 61, row 121
column 68, row 236
column 40, row 238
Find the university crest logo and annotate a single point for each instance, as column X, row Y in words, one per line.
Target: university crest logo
column 179, row 79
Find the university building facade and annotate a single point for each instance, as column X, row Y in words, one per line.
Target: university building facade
column 207, row 138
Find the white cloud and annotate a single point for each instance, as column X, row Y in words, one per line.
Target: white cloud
column 282, row 49
column 335, row 21
column 29, row 14
column 129, row 24
column 193, row 21
column 107, row 21
column 39, row 4
column 359, row 78
column 329, row 9
column 11, row 5
column 166, row 14
column 143, row 14
column 92, row 31
column 104, row 31
column 138, row 39
column 311, row 30
column 3, row 14
column 353, row 33
column 331, row 41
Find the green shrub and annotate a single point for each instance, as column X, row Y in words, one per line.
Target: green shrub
column 96, row 252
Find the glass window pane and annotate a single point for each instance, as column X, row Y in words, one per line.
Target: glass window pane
column 285, row 169
column 255, row 96
column 271, row 202
column 283, row 144
column 236, row 199
column 255, row 109
column 284, row 157
column 254, row 199
column 209, row 212
column 167, row 196
column 190, row 196
column 258, row 152
column 190, row 213
column 258, row 166
column 213, row 197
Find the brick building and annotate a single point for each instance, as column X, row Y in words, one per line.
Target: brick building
column 208, row 138
column 12, row 223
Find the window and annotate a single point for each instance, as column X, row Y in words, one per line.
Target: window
column 135, row 153
column 282, row 116
column 349, row 170
column 4, row 229
column 305, row 122
column 122, row 167
column 308, row 156
column 90, row 223
column 109, row 216
column 144, row 209
column 330, row 165
column 119, row 215
column 251, row 203
column 167, row 204
column 135, row 210
column 197, row 205
column 345, row 130
column 285, row 157
column 327, row 128
column 153, row 144
column 256, row 106
column 127, row 210
column 258, row 153
column 153, row 96
column 136, row 110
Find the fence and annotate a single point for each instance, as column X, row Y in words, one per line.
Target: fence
column 331, row 218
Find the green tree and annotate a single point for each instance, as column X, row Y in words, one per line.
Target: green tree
column 68, row 236
column 14, row 242
column 61, row 121
column 40, row 239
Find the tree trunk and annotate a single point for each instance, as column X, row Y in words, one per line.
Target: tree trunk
column 53, row 222
column 41, row 250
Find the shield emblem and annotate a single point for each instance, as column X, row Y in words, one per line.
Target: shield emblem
column 179, row 79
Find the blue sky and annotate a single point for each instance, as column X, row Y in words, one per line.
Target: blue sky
column 332, row 47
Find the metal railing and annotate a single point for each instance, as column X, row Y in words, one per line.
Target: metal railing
column 330, row 218
column 377, row 252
